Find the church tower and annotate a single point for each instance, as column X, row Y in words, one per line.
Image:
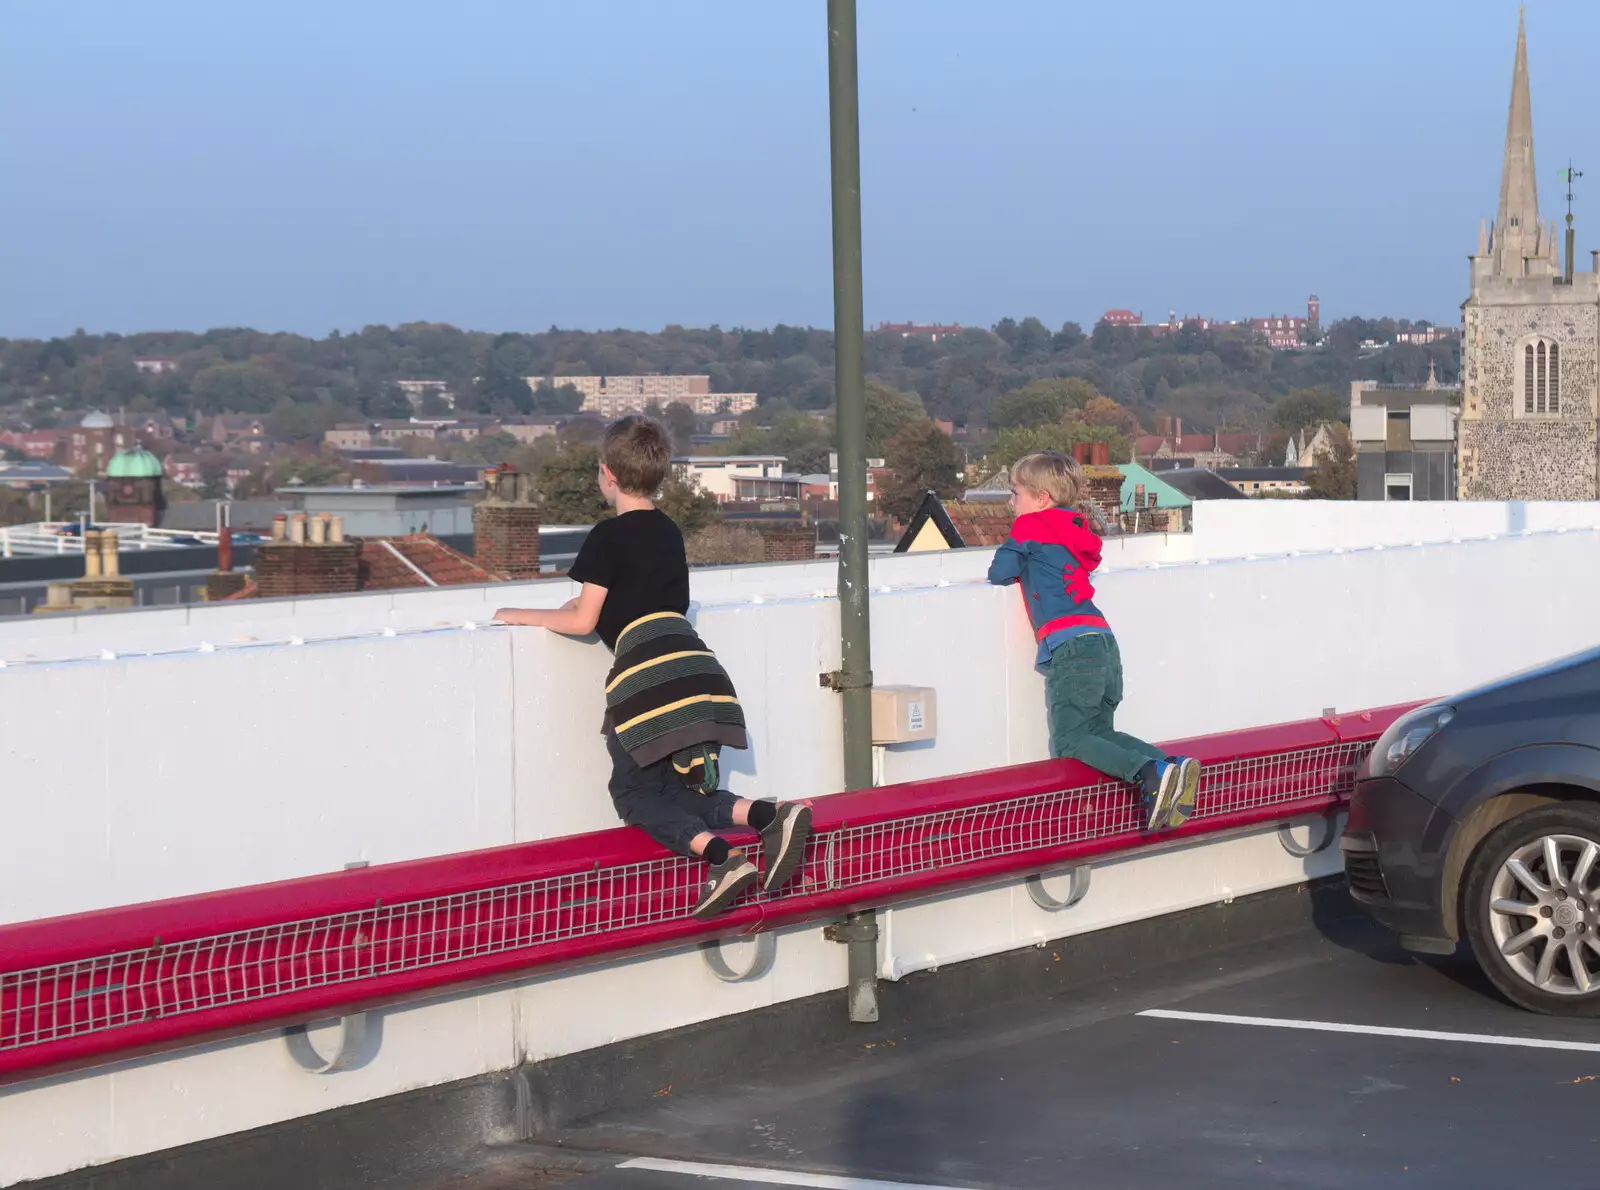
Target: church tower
column 1530, row 341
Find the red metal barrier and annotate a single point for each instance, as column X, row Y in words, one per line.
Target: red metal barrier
column 103, row 986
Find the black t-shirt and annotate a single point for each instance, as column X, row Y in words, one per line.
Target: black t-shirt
column 638, row 558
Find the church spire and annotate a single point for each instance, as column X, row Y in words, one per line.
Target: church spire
column 1517, row 224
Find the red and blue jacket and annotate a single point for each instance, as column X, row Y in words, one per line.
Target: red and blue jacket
column 1051, row 554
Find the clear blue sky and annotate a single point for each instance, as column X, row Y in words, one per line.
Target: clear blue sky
column 512, row 164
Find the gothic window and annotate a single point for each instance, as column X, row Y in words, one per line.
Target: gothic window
column 1540, row 378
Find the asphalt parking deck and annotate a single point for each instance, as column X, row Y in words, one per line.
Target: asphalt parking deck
column 1086, row 1091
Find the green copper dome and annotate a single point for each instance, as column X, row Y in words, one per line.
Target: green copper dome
column 134, row 464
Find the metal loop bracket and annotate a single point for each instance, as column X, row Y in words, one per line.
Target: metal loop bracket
column 353, row 1033
column 766, row 951
column 839, row 681
column 1323, row 831
column 1077, row 888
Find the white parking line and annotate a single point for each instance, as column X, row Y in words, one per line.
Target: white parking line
column 772, row 1177
column 1268, row 1022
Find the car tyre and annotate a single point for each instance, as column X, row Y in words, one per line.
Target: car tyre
column 1530, row 907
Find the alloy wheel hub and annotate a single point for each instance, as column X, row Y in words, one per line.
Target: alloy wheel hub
column 1544, row 913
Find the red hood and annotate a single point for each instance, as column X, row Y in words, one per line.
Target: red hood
column 1063, row 527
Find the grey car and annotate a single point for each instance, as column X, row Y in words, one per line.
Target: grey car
column 1477, row 817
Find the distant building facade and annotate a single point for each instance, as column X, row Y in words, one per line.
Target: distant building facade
column 390, row 430
column 530, row 429
column 90, row 445
column 1281, row 332
column 36, row 444
column 239, row 432
column 617, row 396
column 417, row 390
column 1421, row 336
column 1405, row 440
column 717, row 473
column 933, row 332
column 1171, row 445
column 1531, row 342
column 1262, row 481
column 348, row 436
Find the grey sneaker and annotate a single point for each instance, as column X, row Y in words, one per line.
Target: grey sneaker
column 783, row 844
column 1160, row 783
column 1188, row 790
column 724, row 883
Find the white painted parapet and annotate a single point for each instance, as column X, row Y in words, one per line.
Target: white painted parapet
column 131, row 778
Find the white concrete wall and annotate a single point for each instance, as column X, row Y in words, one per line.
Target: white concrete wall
column 1233, row 528
column 143, row 777
column 261, row 620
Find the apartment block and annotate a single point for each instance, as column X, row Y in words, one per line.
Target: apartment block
column 614, row 396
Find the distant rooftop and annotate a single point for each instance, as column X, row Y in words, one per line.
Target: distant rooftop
column 1282, row 474
column 248, row 515
column 731, row 459
column 413, row 562
column 33, row 470
column 1199, row 484
column 1135, row 477
column 380, row 489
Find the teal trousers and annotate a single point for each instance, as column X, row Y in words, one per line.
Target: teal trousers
column 1083, row 688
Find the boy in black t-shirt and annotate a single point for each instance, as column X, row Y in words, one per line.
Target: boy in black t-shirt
column 670, row 707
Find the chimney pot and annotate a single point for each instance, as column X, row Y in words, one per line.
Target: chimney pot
column 110, row 564
column 91, row 554
column 336, row 530
column 297, row 528
column 319, row 528
column 280, row 527
column 225, row 548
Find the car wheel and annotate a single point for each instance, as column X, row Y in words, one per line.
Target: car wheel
column 1531, row 907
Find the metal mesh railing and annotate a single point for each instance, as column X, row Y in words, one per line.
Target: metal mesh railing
column 530, row 919
column 947, row 840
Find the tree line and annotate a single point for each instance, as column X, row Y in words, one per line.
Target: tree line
column 1014, row 387
column 1213, row 379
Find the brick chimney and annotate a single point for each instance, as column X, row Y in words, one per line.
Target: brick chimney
column 289, row 565
column 787, row 541
column 1105, row 493
column 505, row 526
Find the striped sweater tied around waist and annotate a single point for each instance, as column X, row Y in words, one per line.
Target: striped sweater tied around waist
column 667, row 695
